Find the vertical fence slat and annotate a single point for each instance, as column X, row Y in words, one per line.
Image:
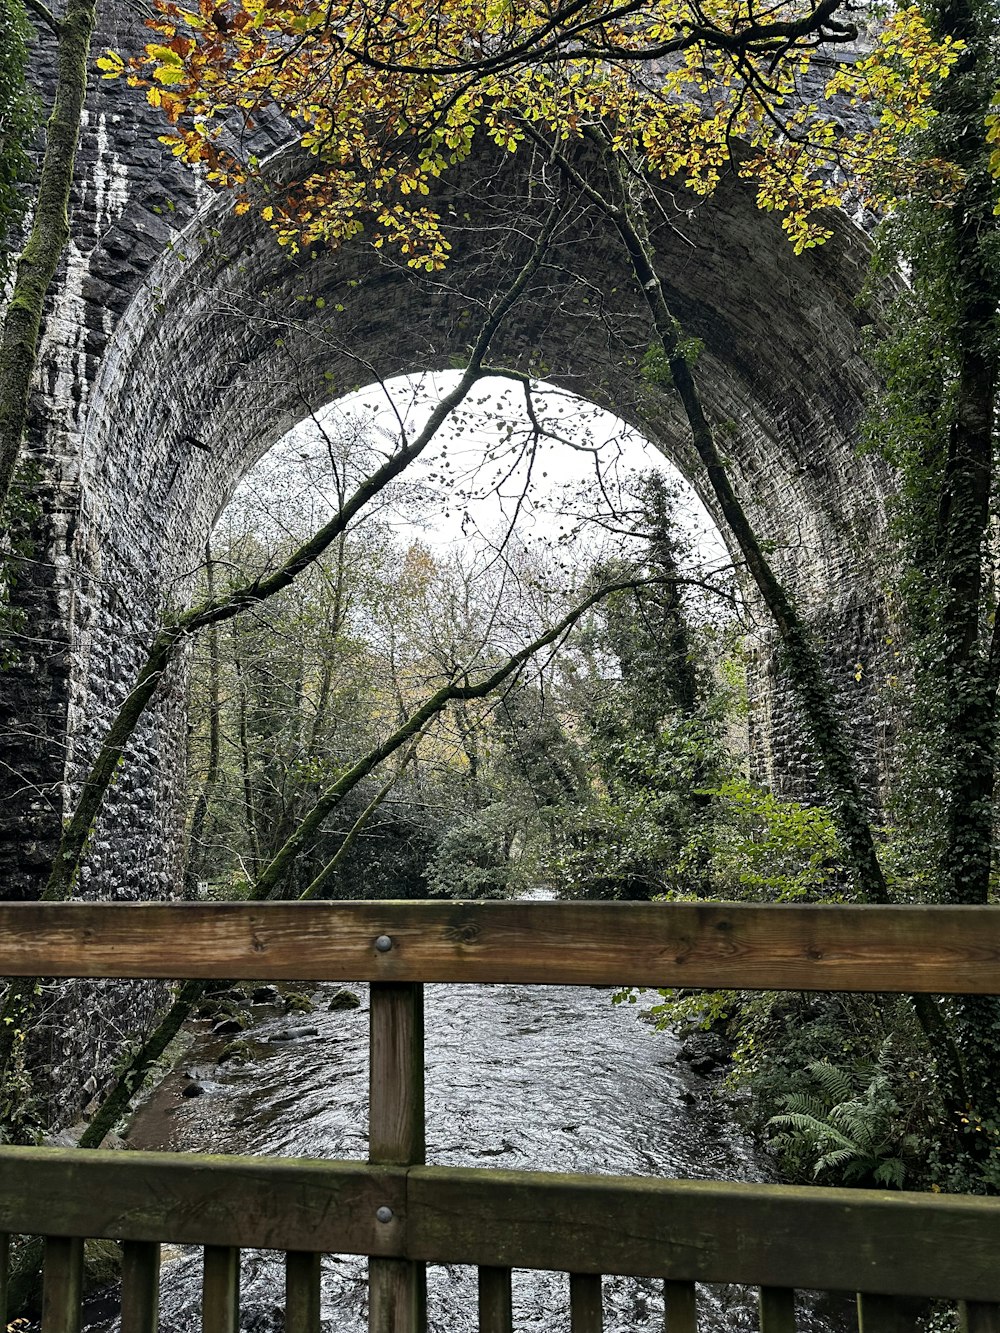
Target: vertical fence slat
column 586, row 1305
column 878, row 1314
column 140, row 1287
column 220, row 1306
column 397, row 1289
column 777, row 1310
column 979, row 1317
column 62, row 1284
column 397, row 1300
column 680, row 1307
column 302, row 1291
column 496, row 1314
column 4, row 1275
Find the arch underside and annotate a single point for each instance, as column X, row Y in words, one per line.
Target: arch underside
column 230, row 344
column 227, row 344
column 227, row 348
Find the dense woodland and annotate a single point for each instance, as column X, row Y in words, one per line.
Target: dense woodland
column 372, row 715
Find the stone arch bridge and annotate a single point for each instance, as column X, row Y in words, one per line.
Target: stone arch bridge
column 181, row 343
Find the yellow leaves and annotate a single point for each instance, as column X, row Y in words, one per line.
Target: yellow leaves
column 993, row 138
column 168, row 74
column 111, row 65
column 381, row 134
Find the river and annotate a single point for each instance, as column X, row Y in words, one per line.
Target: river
column 539, row 1077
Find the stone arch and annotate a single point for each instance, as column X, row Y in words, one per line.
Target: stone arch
column 228, row 344
column 177, row 351
column 223, row 344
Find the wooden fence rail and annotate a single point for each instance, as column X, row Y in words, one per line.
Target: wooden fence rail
column 404, row 1214
column 944, row 950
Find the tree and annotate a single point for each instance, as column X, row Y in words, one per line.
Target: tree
column 664, row 89
column 20, row 997
column 648, row 719
column 49, row 230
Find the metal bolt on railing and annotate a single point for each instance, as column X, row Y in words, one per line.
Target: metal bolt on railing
column 384, row 1214
column 384, row 943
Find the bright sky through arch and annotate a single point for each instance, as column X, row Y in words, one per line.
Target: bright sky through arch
column 480, row 478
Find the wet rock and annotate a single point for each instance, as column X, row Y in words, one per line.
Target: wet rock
column 237, row 1052
column 293, row 1034
column 192, row 1090
column 705, row 1052
column 226, row 1025
column 704, row 1064
column 298, row 1003
column 344, row 999
column 265, row 995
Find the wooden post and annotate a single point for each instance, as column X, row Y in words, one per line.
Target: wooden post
column 680, row 1307
column 4, row 1275
column 397, row 1288
column 220, row 1307
column 62, row 1284
column 979, row 1317
column 878, row 1314
column 586, row 1305
column 302, row 1291
column 496, row 1314
column 140, row 1287
column 777, row 1310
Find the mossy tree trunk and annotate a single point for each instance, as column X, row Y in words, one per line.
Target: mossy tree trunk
column 47, row 239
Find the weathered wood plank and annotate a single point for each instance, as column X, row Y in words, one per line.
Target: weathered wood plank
column 686, row 1231
column 62, row 1285
column 586, row 1303
column 777, row 1310
column 878, row 1314
column 4, row 1275
column 708, row 1231
column 220, row 1300
column 303, row 1271
column 396, row 1076
column 496, row 1310
column 140, row 1287
column 397, row 1297
column 680, row 1307
column 979, row 1317
column 790, row 946
column 397, row 1289
column 195, row 1199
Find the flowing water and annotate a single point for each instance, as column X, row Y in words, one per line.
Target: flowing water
column 547, row 1078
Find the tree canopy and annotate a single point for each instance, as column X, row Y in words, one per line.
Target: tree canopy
column 387, row 98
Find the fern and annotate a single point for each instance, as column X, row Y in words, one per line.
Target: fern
column 834, row 1083
column 843, row 1131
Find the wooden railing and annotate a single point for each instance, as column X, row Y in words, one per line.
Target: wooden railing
column 405, row 1214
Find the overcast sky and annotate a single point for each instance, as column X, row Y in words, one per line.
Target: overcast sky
column 478, row 478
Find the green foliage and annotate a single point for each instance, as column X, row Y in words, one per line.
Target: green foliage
column 847, row 1132
column 20, row 512
column 18, row 118
column 766, row 849
column 640, row 834
column 655, row 367
column 473, row 857
column 652, row 733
